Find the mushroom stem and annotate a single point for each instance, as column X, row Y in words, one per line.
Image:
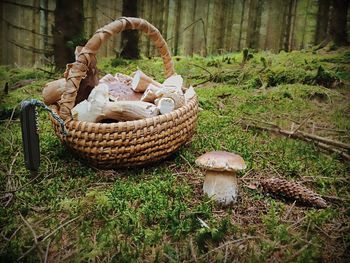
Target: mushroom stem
column 98, row 107
column 222, row 186
column 130, row 110
column 141, row 81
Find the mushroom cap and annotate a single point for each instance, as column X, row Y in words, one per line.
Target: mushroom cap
column 119, row 87
column 221, row 161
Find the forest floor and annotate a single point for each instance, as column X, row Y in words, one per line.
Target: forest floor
column 71, row 212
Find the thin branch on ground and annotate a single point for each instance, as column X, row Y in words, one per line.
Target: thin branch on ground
column 211, row 74
column 210, row 78
column 226, row 244
column 189, row 164
column 193, row 252
column 303, row 122
column 47, row 251
column 22, row 187
column 11, row 117
column 46, row 237
column 324, row 143
column 33, row 234
column 13, row 162
column 289, row 211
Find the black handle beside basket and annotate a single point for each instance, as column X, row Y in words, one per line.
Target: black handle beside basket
column 30, row 136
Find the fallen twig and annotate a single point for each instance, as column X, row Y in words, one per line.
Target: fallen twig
column 11, row 117
column 329, row 148
column 46, row 237
column 226, row 244
column 296, row 254
column 289, row 211
column 12, row 163
column 324, row 143
column 193, row 252
column 302, row 123
column 21, row 83
column 33, row 233
column 21, row 187
column 47, row 251
column 210, row 78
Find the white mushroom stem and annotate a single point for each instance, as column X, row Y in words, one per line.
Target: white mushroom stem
column 150, row 93
column 98, row 107
column 189, row 94
column 174, row 81
column 154, row 93
column 130, row 110
column 141, row 81
column 53, row 90
column 176, row 95
column 221, row 182
column 165, row 105
column 221, row 186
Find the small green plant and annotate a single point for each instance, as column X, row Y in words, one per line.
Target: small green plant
column 151, row 213
column 118, row 62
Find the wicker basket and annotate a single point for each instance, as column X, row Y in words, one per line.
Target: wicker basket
column 110, row 145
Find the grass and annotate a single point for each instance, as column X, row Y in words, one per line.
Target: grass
column 155, row 213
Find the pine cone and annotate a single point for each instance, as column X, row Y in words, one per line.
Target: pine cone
column 293, row 191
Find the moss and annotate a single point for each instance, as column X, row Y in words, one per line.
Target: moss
column 152, row 213
column 326, row 78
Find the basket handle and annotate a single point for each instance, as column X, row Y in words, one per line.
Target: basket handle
column 76, row 71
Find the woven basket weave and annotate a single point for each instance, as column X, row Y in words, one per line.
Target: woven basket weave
column 110, row 145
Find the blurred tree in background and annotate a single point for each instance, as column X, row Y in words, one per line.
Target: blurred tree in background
column 68, row 30
column 130, row 38
column 41, row 31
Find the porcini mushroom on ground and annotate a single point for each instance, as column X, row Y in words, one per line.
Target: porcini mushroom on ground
column 220, row 181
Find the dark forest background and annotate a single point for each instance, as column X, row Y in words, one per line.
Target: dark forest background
column 43, row 31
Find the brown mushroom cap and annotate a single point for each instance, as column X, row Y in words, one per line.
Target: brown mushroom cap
column 120, row 87
column 221, row 161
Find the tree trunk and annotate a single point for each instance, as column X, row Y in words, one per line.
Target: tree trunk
column 254, row 23
column 130, row 38
column 35, row 28
column 165, row 19
column 291, row 31
column 193, row 27
column 338, row 22
column 45, row 22
column 94, row 24
column 177, row 27
column 69, row 26
column 229, row 26
column 219, row 25
column 241, row 25
column 305, row 24
column 289, row 22
column 274, row 25
column 322, row 20
column 284, row 11
column 2, row 41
